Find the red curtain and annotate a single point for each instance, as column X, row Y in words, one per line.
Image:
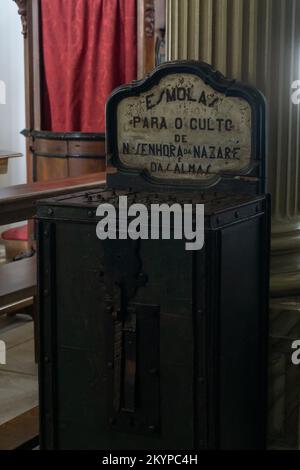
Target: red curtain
column 89, row 48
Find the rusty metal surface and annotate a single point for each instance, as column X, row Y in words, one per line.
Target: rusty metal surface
column 186, row 330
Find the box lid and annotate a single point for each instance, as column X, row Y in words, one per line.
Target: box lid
column 220, row 208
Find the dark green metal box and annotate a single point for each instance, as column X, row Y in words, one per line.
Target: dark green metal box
column 144, row 345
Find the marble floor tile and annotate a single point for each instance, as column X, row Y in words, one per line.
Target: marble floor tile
column 20, row 358
column 18, row 393
column 17, row 333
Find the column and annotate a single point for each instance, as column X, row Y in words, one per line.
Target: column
column 258, row 42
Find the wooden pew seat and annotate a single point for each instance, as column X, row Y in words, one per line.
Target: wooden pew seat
column 17, row 294
column 18, row 290
column 17, row 281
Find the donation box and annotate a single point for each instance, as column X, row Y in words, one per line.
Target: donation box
column 150, row 339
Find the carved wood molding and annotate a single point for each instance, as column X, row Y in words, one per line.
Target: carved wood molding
column 149, row 18
column 22, row 5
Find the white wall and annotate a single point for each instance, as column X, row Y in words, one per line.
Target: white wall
column 12, row 114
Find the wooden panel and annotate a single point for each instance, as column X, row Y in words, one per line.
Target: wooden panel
column 84, row 147
column 17, row 307
column 80, row 166
column 19, row 202
column 56, row 147
column 29, row 12
column 151, row 25
column 51, row 168
column 55, row 154
column 20, row 430
column 4, row 156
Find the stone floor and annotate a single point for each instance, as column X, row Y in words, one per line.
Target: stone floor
column 18, row 378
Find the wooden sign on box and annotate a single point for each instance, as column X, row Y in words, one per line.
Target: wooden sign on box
column 187, row 125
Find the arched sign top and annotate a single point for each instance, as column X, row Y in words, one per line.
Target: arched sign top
column 186, row 126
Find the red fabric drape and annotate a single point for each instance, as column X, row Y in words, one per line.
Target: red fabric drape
column 88, row 49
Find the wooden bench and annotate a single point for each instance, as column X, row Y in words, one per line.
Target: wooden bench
column 17, row 294
column 18, row 203
column 21, row 432
column 18, row 290
column 17, row 281
column 4, row 156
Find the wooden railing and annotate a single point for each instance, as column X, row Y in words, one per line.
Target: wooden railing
column 18, row 280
